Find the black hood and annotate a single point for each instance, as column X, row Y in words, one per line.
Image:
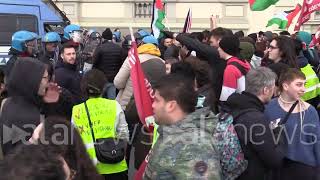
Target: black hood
column 244, row 101
column 25, row 78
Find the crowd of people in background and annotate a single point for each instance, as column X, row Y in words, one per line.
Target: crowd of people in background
column 227, row 106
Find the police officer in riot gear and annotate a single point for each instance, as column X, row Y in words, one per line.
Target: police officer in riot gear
column 50, row 54
column 24, row 44
column 91, row 41
column 51, row 42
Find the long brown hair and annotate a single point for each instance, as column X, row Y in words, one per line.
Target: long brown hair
column 287, row 48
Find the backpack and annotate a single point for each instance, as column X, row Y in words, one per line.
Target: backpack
column 232, row 160
column 239, row 67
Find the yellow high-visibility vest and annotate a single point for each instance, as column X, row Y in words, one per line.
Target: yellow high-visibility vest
column 103, row 116
column 312, row 83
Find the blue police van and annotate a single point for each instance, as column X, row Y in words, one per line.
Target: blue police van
column 39, row 16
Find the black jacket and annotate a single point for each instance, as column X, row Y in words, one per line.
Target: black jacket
column 67, row 76
column 302, row 61
column 312, row 56
column 205, row 91
column 14, row 57
column 258, row 147
column 21, row 111
column 108, row 58
column 279, row 68
column 62, row 108
column 210, row 54
column 48, row 59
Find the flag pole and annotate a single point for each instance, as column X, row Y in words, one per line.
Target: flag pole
column 131, row 33
column 167, row 23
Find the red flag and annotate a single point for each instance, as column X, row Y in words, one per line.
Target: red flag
column 313, row 42
column 308, row 7
column 159, row 4
column 140, row 171
column 292, row 14
column 315, row 39
column 188, row 22
column 143, row 96
column 142, row 90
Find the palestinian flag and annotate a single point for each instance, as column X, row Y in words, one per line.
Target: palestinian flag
column 157, row 18
column 260, row 5
column 284, row 19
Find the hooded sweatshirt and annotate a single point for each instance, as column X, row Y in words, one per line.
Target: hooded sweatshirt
column 21, row 111
column 233, row 79
column 249, row 124
column 15, row 54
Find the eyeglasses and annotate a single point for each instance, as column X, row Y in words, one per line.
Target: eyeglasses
column 46, row 77
column 272, row 47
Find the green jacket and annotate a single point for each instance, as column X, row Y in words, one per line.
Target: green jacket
column 186, row 150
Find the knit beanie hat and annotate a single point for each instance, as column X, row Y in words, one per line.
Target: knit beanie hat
column 268, row 35
column 304, row 37
column 247, row 50
column 253, row 36
column 107, row 34
column 230, row 45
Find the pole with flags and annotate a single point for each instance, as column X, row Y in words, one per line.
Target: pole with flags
column 308, row 7
column 188, row 22
column 142, row 90
column 284, row 19
column 157, row 19
column 143, row 95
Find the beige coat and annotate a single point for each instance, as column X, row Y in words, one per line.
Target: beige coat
column 123, row 83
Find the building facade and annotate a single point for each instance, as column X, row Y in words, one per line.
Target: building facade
column 233, row 14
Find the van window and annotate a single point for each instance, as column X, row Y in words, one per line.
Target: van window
column 54, row 27
column 11, row 23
